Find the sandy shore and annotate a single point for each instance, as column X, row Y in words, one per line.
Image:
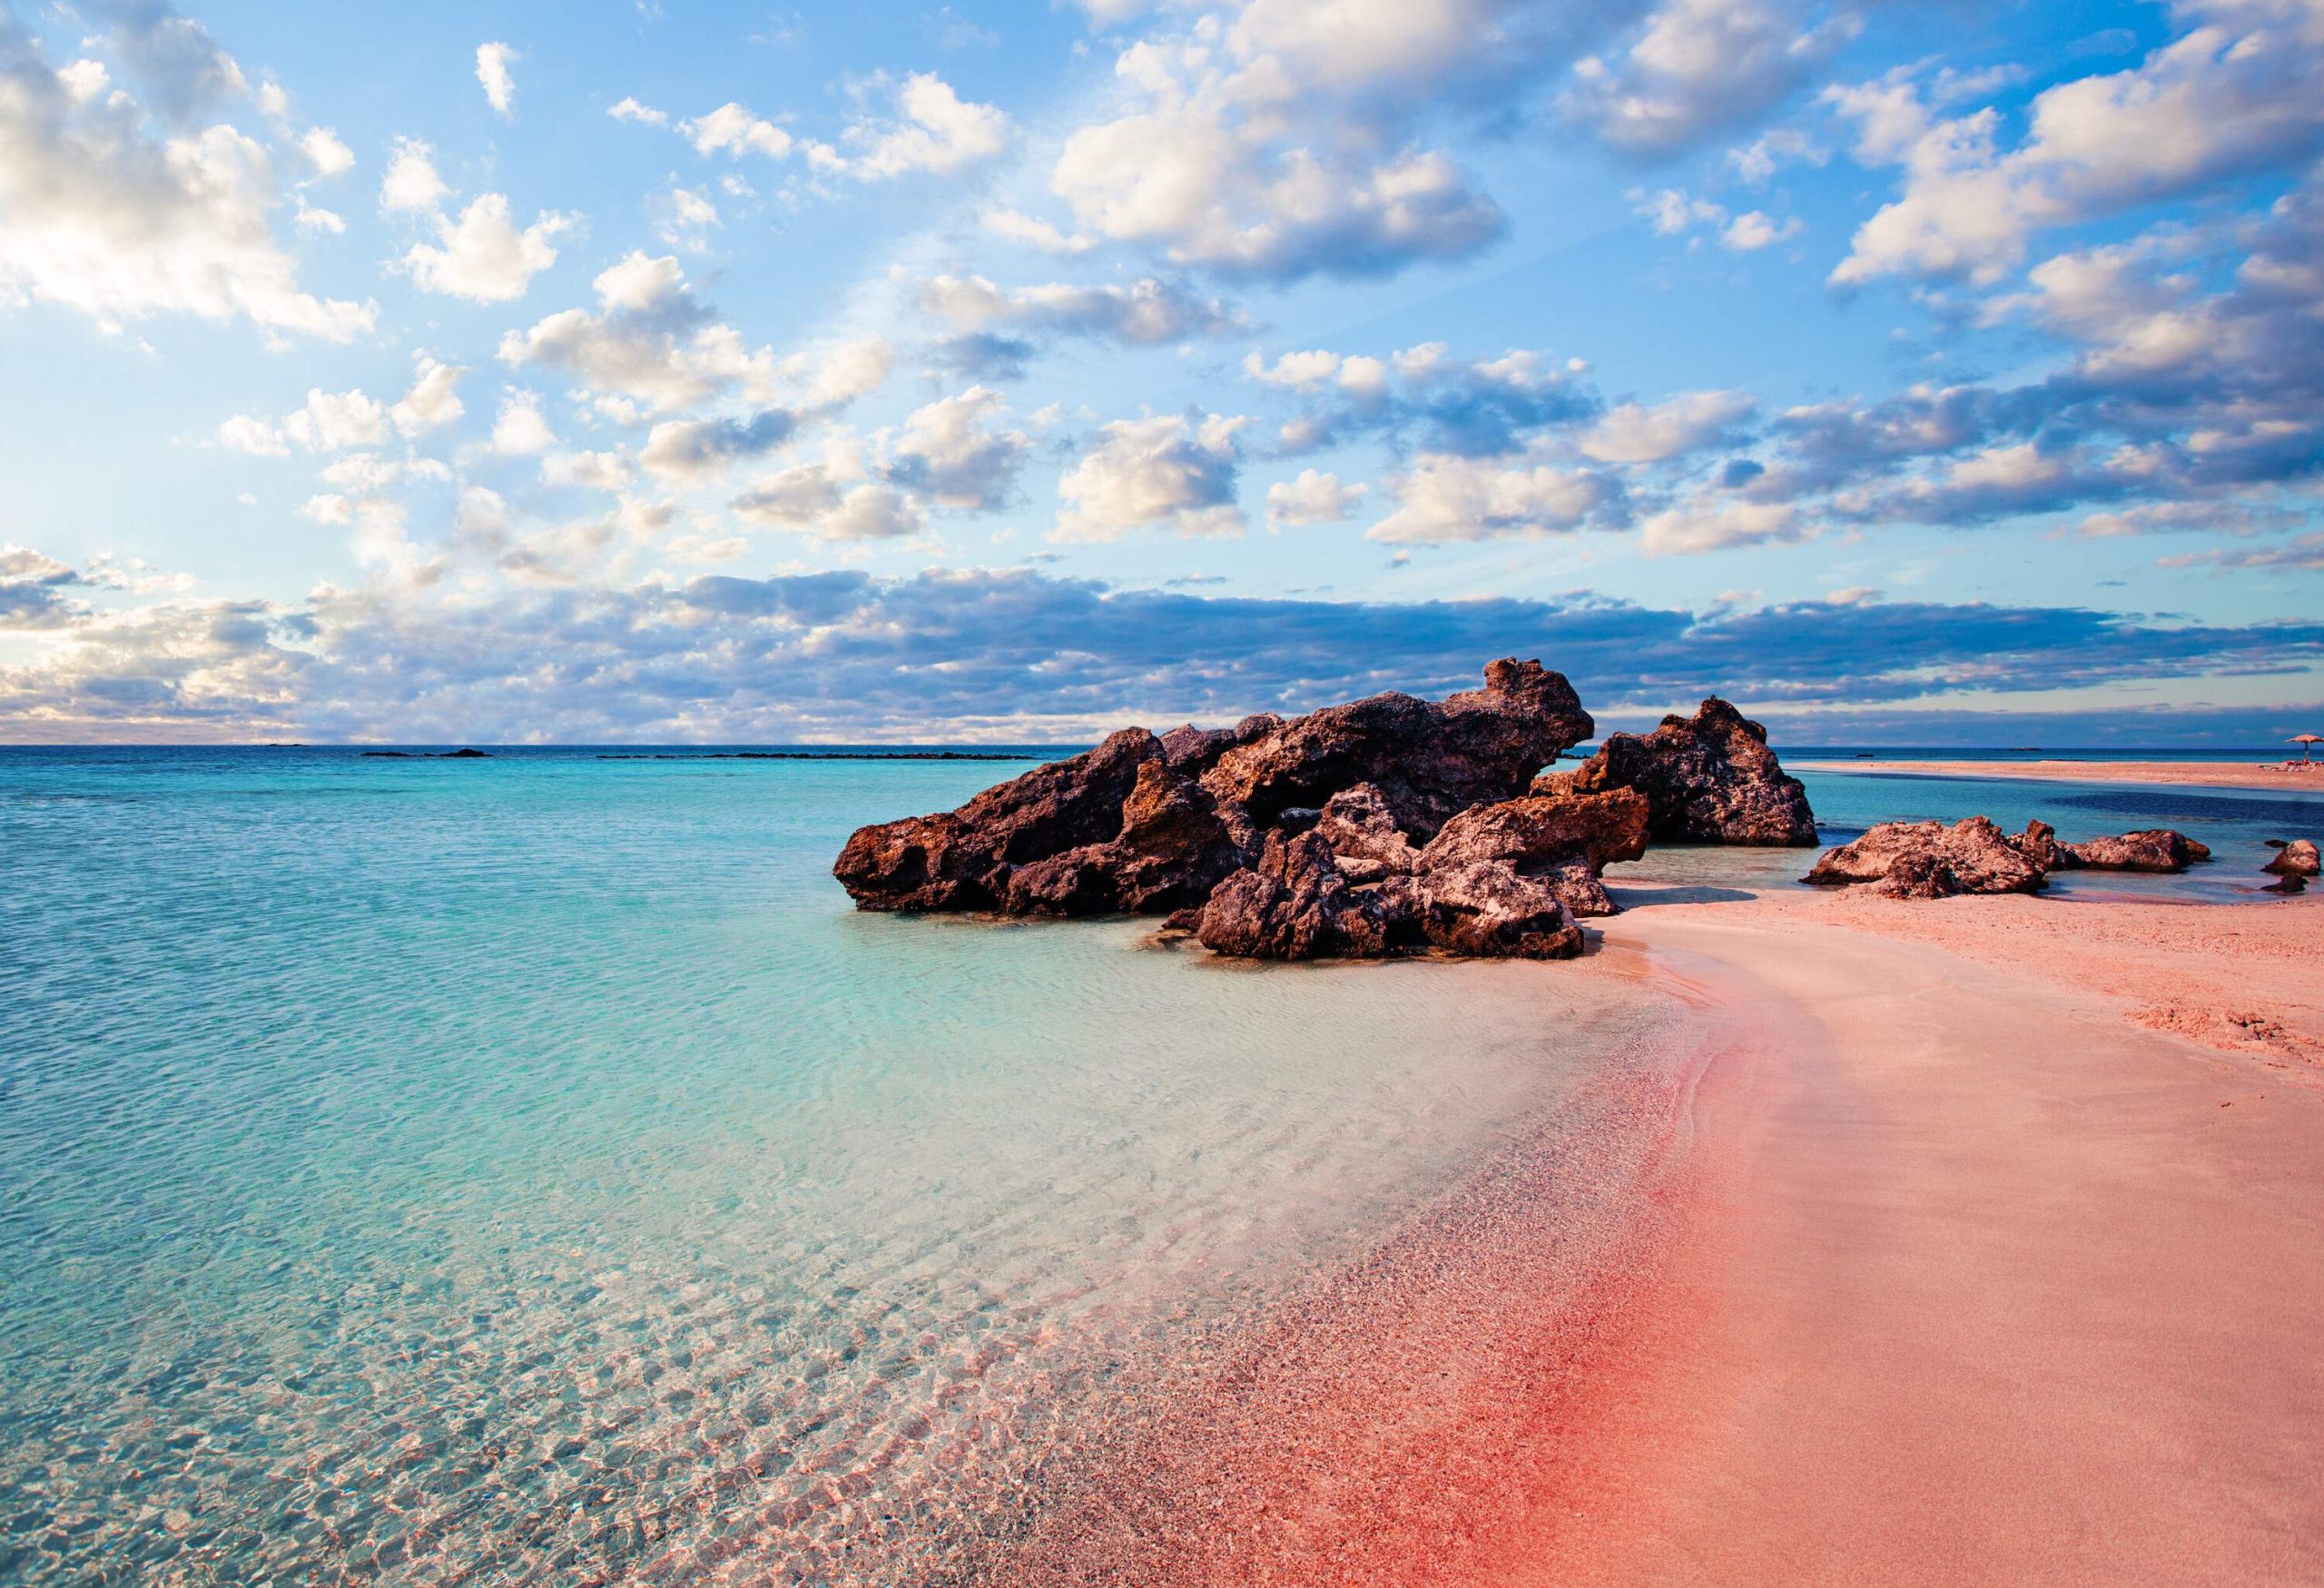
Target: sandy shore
column 1987, row 1278
column 2197, row 773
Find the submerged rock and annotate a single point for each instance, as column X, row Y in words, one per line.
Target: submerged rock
column 2151, row 849
column 2296, row 859
column 1928, row 859
column 1707, row 779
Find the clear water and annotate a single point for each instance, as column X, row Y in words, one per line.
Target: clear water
column 531, row 1171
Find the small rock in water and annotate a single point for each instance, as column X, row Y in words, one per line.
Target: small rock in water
column 2296, row 859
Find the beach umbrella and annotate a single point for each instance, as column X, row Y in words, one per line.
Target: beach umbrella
column 2304, row 741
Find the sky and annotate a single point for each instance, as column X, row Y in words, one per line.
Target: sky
column 623, row 371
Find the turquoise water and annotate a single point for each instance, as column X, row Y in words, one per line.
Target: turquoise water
column 531, row 1170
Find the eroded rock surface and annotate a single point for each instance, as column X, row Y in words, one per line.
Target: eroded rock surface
column 1154, row 824
column 1295, row 904
column 1928, row 859
column 2296, row 859
column 1707, row 779
column 2151, row 849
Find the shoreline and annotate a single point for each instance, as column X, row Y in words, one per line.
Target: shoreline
column 1994, row 1285
column 2243, row 774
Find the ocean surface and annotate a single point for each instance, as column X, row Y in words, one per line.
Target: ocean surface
column 531, row 1169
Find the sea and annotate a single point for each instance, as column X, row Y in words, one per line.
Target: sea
column 529, row 1169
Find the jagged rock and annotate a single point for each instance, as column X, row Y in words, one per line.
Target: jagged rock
column 969, row 859
column 1486, row 908
column 1364, row 835
column 1194, row 751
column 1428, row 760
column 2038, row 843
column 2296, row 859
column 1561, row 841
column 2151, row 849
column 1927, row 860
column 1295, row 904
column 1707, row 779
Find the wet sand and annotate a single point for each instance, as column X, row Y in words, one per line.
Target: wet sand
column 1914, row 1257
column 2193, row 774
column 1982, row 1283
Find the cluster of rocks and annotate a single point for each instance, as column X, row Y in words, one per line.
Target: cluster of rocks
column 1387, row 825
column 1928, row 859
column 2291, row 865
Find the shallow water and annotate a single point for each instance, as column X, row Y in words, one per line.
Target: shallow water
column 531, row 1169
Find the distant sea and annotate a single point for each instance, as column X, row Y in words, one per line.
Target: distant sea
column 531, row 1170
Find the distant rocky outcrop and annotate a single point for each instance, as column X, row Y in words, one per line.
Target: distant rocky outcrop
column 2296, row 859
column 2151, row 849
column 1928, row 859
column 1294, row 829
column 1707, row 779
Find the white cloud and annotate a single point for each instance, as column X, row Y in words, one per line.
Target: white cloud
column 492, row 72
column 953, row 451
column 247, row 433
column 735, row 131
column 411, row 184
column 327, row 423
column 308, row 218
column 1754, row 229
column 934, row 129
column 606, row 471
column 839, row 372
column 1162, row 472
column 96, row 216
column 1444, row 499
column 520, row 430
column 1634, row 433
column 1144, row 314
column 482, row 256
column 2223, row 99
column 817, row 497
column 325, row 153
column 1704, row 526
column 652, row 344
column 688, row 215
column 1700, row 66
column 1312, row 497
column 1031, row 232
column 644, row 116
column 1672, row 214
column 698, row 449
column 433, row 400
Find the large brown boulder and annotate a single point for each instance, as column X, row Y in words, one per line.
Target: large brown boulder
column 1561, row 841
column 1113, row 828
column 2296, row 859
column 1362, row 834
column 2151, row 849
column 1484, row 908
column 1429, row 759
column 1707, row 779
column 1295, row 904
column 1928, row 859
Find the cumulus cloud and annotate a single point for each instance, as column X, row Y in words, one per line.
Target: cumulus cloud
column 1472, row 407
column 1711, row 524
column 930, row 129
column 482, row 256
column 697, row 448
column 1144, row 313
column 1031, row 232
column 819, row 499
column 326, row 154
column 731, row 130
column 652, row 343
column 1699, row 67
column 434, row 399
column 2230, row 96
column 1635, row 433
column 328, row 422
column 1163, row 472
column 492, row 72
column 411, row 185
column 1313, row 496
column 1445, row 498
column 955, row 451
column 520, row 429
column 99, row 215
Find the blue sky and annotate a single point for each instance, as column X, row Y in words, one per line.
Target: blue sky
column 636, row 371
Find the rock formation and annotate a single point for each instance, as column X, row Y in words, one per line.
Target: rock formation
column 1707, row 779
column 1155, row 825
column 2151, row 849
column 2296, row 859
column 1928, row 859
